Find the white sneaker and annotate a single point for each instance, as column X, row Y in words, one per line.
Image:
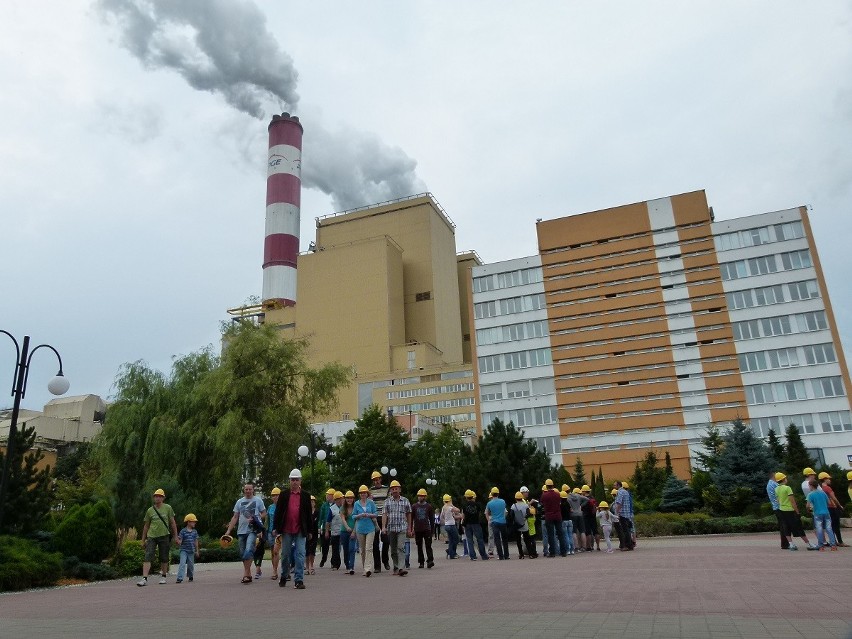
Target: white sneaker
column 162, row 580
column 142, row 582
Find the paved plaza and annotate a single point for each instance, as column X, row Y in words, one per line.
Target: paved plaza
column 694, row 587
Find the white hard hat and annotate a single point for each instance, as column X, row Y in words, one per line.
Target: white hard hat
column 295, row 474
column 524, row 489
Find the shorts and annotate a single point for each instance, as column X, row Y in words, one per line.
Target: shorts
column 247, row 545
column 791, row 524
column 153, row 544
column 591, row 523
column 579, row 525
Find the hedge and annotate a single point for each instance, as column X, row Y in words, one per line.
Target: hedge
column 23, row 564
column 129, row 559
column 671, row 524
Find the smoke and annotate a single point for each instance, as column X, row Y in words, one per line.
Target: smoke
column 218, row 46
column 224, row 47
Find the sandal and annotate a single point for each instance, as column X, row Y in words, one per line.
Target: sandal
column 274, row 577
column 312, row 572
column 246, row 580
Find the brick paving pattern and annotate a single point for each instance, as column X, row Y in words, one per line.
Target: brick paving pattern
column 696, row 587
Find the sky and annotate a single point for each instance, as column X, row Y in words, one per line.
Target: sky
column 133, row 141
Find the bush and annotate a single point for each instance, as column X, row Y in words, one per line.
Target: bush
column 76, row 569
column 673, row 524
column 210, row 555
column 87, row 532
column 24, row 565
column 128, row 561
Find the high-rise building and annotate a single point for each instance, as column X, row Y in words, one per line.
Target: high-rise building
column 661, row 321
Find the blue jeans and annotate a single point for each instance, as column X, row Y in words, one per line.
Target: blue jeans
column 545, row 542
column 247, row 542
column 568, row 531
column 187, row 562
column 347, row 543
column 822, row 525
column 453, row 539
column 501, row 539
column 554, row 532
column 471, row 532
column 299, row 570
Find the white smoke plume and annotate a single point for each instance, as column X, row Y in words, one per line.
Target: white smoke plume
column 225, row 47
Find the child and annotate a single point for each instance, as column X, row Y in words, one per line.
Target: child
column 259, row 545
column 605, row 520
column 189, row 548
column 818, row 505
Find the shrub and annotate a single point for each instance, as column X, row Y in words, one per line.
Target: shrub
column 128, row 560
column 73, row 567
column 210, row 555
column 87, row 532
column 667, row 524
column 24, row 565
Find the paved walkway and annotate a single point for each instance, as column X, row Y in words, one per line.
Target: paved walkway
column 696, row 587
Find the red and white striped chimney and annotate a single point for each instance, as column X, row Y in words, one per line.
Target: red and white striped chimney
column 283, row 198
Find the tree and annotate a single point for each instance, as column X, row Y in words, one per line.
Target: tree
column 796, row 457
column 579, row 473
column 600, row 493
column 712, row 444
column 28, row 487
column 677, row 496
column 776, row 448
column 744, row 462
column 648, row 478
column 376, row 441
column 87, row 532
column 447, row 459
column 668, row 466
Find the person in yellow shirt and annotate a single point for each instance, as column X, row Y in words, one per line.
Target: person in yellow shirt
column 790, row 517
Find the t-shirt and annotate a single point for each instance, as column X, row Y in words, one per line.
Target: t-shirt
column 496, row 507
column 364, row 525
column 784, row 492
column 472, row 511
column 819, row 501
column 448, row 517
column 551, row 502
column 519, row 511
column 605, row 517
column 828, row 490
column 249, row 508
column 291, row 517
column 156, row 527
column 422, row 516
column 187, row 539
column 806, row 487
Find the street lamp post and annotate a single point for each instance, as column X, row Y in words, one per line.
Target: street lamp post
column 320, row 454
column 58, row 386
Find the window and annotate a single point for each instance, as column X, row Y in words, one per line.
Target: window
column 758, row 394
column 827, row 387
column 835, row 421
column 489, row 364
column 790, row 391
column 789, row 231
column 482, row 284
column 545, row 415
column 769, row 295
column 522, row 417
column 485, row 309
column 758, row 236
column 740, row 299
column 752, row 361
column 783, row 358
column 412, row 360
column 803, row 423
column 746, row 330
column 540, row 357
column 549, row 445
column 536, row 329
column 762, row 265
column 513, row 332
column 814, row 321
column 820, row 354
column 796, row 260
column 803, row 290
column 543, row 386
column 518, row 389
column 733, row 270
column 515, row 360
column 491, row 392
column 776, row 326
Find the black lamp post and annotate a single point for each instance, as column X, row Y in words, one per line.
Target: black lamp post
column 320, row 454
column 58, row 386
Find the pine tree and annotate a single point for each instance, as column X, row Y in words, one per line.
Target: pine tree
column 668, row 467
column 648, row 479
column 775, row 446
column 28, row 488
column 579, row 473
column 712, row 444
column 601, row 493
column 744, row 462
column 677, row 496
column 796, row 457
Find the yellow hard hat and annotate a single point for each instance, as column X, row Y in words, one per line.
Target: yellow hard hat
column 586, row 488
column 422, row 492
column 824, row 475
column 519, row 495
column 544, row 488
column 190, row 517
column 275, row 491
column 808, row 471
column 363, row 489
column 225, row 541
column 330, row 491
column 349, row 493
column 376, row 475
column 603, row 504
column 338, row 494
column 564, row 494
column 576, row 491
column 495, row 491
column 624, row 484
column 160, row 492
column 469, row 493
column 780, row 476
column 849, row 475
column 566, row 487
column 395, row 484
column 447, row 498
column 614, row 491
column 548, row 482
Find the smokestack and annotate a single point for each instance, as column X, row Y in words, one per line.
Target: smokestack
column 283, row 197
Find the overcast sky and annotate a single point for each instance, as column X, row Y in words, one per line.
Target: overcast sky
column 132, row 203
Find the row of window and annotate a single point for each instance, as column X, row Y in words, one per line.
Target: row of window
column 516, row 389
column 455, row 417
column 538, row 416
column 767, row 295
column 794, row 390
column 431, row 390
column 830, row 422
column 780, row 325
column 760, row 235
column 507, row 280
column 787, row 357
column 422, row 378
column 509, row 306
column 549, row 445
column 512, row 361
column 511, row 332
column 765, row 264
column 444, row 403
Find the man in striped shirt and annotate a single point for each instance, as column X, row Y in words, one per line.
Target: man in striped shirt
column 396, row 521
column 379, row 493
column 624, row 511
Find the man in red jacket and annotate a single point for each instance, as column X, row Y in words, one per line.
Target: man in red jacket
column 551, row 503
column 293, row 523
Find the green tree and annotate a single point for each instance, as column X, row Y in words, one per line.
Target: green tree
column 668, row 465
column 711, row 445
column 677, row 496
column 776, row 447
column 87, row 532
column 447, row 459
column 600, row 493
column 648, row 478
column 579, row 473
column 376, row 441
column 699, row 482
column 744, row 462
column 28, row 487
column 796, row 457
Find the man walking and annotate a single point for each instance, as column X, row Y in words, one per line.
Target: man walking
column 423, row 516
column 293, row 522
column 790, row 513
column 379, row 494
column 472, row 512
column 396, row 521
column 325, row 542
column 495, row 513
column 249, row 511
column 159, row 522
column 624, row 511
column 551, row 502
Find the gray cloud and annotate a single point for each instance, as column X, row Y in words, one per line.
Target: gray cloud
column 223, row 46
column 139, row 123
column 218, row 46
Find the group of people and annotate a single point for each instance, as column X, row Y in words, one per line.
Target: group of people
column 821, row 502
column 376, row 524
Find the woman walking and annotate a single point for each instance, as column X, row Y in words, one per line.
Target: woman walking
column 347, row 532
column 365, row 515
